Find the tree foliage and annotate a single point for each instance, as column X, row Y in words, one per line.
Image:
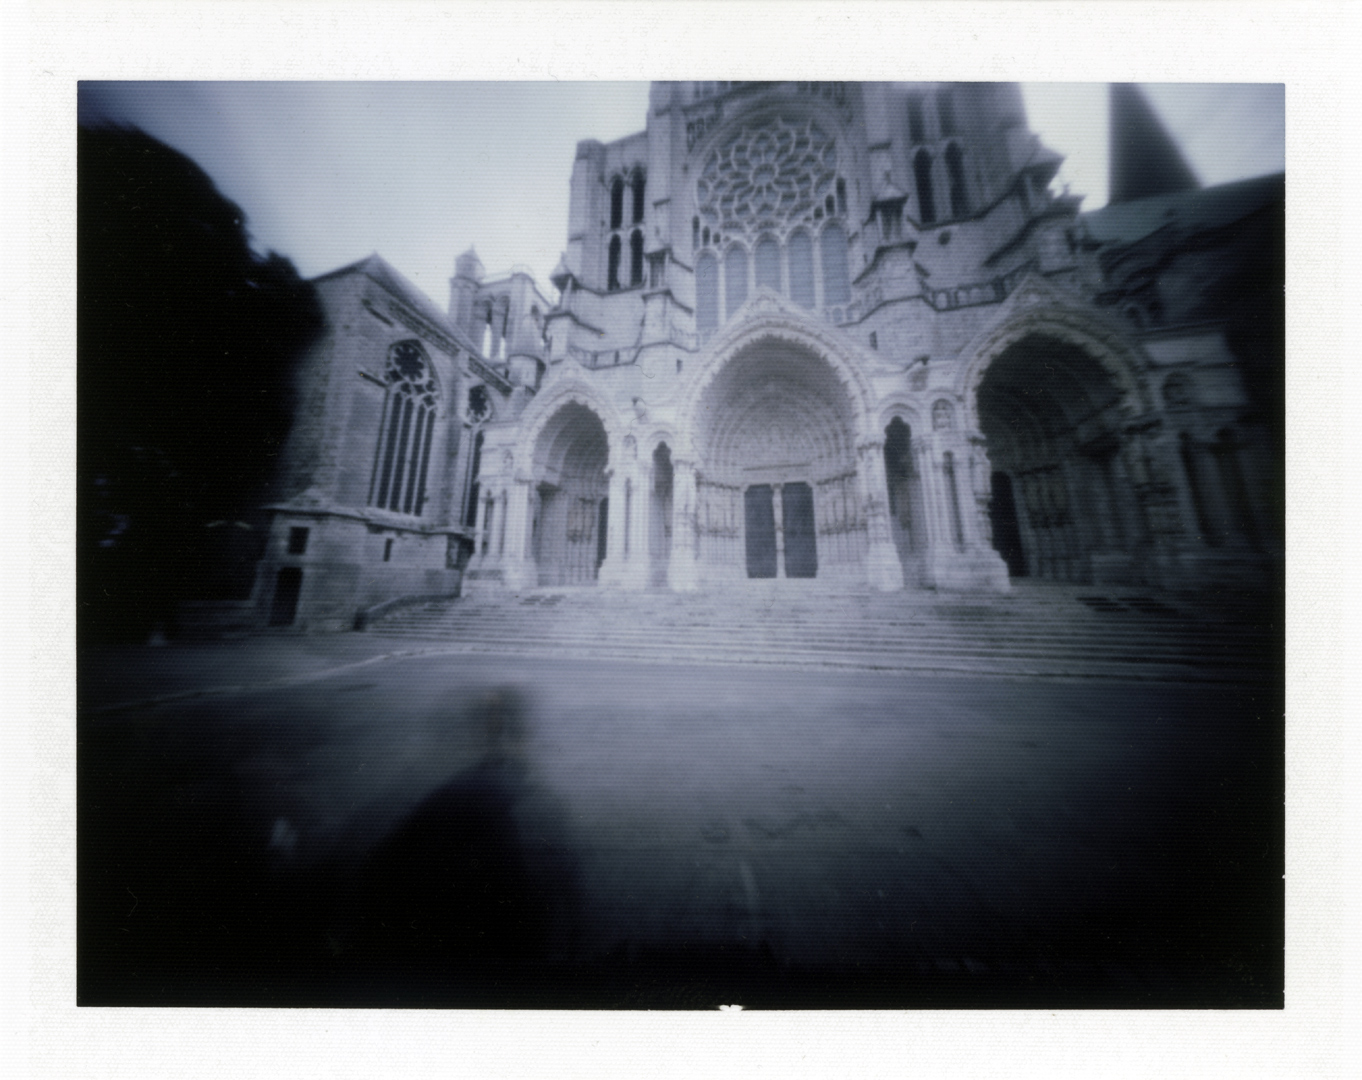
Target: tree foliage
column 186, row 345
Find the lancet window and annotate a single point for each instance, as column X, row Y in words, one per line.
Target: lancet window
column 627, row 192
column 402, row 460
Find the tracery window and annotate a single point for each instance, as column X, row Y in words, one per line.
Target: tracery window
column 408, row 428
column 766, row 177
column 766, row 183
column 615, row 245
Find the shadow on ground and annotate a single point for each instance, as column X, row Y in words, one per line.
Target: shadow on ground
column 825, row 843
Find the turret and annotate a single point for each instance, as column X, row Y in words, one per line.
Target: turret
column 463, row 290
column 526, row 353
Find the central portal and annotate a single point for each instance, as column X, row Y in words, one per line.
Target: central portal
column 777, row 485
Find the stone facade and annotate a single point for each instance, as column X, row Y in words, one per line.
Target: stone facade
column 833, row 333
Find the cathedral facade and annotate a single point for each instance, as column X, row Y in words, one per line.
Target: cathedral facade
column 838, row 335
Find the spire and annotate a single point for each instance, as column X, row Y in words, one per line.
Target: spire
column 1144, row 158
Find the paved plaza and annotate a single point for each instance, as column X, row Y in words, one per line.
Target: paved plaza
column 327, row 821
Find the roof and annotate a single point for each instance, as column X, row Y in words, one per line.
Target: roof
column 1190, row 211
column 377, row 269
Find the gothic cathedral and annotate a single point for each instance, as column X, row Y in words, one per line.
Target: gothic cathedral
column 839, row 335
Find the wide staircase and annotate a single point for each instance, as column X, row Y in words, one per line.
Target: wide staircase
column 1041, row 630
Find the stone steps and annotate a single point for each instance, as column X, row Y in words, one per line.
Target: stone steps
column 1059, row 632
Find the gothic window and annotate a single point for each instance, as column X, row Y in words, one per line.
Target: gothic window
column 766, row 177
column 955, row 169
column 767, row 259
column 404, row 442
column 922, row 173
column 706, row 294
column 801, row 269
column 764, row 181
column 479, row 404
column 616, row 202
column 612, row 281
column 836, row 280
column 637, row 186
column 636, row 258
column 695, row 232
column 735, row 278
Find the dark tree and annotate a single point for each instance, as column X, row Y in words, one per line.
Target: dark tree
column 187, row 341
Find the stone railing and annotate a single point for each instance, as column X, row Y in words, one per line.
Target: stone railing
column 993, row 291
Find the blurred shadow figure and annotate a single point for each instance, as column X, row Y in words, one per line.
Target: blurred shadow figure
column 476, row 873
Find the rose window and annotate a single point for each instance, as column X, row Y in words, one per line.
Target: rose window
column 768, row 177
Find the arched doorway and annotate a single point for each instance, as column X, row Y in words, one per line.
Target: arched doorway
column 1063, row 507
column 569, row 507
column 777, row 485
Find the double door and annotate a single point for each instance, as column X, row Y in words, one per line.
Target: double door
column 793, row 547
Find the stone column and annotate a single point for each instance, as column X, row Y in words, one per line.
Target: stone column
column 489, row 553
column 640, row 507
column 967, row 560
column 500, row 539
column 884, row 571
column 682, row 575
column 518, row 564
column 614, row 572
column 1164, row 500
column 479, row 529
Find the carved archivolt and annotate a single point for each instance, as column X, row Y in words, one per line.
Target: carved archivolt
column 545, row 407
column 771, row 321
column 1119, row 358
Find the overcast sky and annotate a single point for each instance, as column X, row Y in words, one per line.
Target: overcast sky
column 329, row 172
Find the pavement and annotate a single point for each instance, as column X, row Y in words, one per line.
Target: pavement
column 346, row 820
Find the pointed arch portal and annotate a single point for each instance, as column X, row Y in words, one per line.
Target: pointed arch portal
column 1063, row 507
column 776, row 479
column 570, row 510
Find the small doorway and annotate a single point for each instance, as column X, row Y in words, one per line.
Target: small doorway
column 287, row 586
column 760, row 519
column 801, row 548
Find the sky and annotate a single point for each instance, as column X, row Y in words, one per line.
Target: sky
column 329, row 172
